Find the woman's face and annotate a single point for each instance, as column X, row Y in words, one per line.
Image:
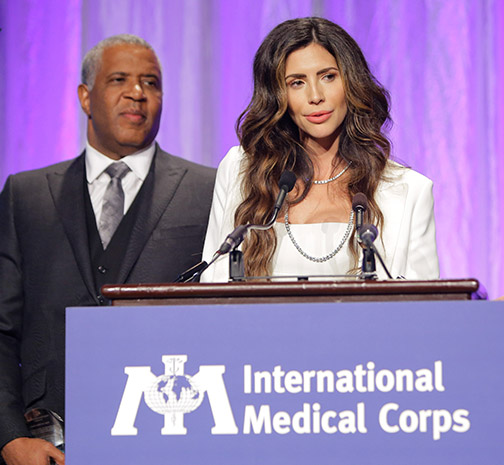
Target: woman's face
column 315, row 95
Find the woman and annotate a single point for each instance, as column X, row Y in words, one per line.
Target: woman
column 318, row 111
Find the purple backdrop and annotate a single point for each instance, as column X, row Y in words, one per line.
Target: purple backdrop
column 442, row 60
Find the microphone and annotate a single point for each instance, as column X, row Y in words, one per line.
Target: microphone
column 286, row 184
column 192, row 273
column 368, row 234
column 359, row 206
column 233, row 240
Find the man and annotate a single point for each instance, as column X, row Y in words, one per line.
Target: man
column 63, row 234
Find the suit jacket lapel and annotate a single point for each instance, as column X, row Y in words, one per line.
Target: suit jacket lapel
column 392, row 199
column 158, row 190
column 67, row 190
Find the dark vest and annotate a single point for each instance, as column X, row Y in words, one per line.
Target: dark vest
column 107, row 263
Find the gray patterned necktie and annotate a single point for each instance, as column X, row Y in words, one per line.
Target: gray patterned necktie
column 113, row 202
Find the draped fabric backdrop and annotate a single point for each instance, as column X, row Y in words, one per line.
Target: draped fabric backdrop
column 442, row 61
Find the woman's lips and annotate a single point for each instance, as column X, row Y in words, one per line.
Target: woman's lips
column 319, row 116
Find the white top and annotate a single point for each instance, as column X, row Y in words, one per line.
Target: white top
column 407, row 241
column 317, row 240
column 96, row 164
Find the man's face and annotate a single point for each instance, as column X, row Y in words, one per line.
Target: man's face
column 124, row 105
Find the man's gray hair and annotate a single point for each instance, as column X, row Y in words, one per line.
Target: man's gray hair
column 92, row 61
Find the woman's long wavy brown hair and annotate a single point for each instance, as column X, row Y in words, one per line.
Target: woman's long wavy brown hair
column 271, row 140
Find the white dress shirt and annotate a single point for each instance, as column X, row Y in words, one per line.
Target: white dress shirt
column 97, row 180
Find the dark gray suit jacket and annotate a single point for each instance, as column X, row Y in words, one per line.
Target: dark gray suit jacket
column 45, row 267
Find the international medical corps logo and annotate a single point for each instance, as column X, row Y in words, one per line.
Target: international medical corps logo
column 173, row 395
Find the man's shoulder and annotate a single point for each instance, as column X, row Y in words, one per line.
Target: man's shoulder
column 174, row 162
column 37, row 178
column 56, row 168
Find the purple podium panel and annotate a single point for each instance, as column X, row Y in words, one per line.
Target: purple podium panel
column 350, row 383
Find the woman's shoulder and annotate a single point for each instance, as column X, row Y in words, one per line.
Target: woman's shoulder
column 230, row 167
column 235, row 155
column 395, row 173
column 231, row 162
column 229, row 172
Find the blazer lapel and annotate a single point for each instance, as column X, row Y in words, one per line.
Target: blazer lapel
column 158, row 190
column 67, row 190
column 391, row 196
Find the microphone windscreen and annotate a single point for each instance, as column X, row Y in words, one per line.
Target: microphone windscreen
column 359, row 201
column 287, row 179
column 368, row 233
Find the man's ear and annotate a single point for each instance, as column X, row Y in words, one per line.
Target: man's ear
column 83, row 93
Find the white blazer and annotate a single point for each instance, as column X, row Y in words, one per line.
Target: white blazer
column 407, row 241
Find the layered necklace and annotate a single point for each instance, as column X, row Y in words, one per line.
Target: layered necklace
column 325, row 257
column 348, row 230
column 325, row 181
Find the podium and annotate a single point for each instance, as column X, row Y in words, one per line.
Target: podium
column 289, row 292
column 360, row 383
column 280, row 375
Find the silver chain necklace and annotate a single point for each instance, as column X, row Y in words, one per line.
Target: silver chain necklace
column 334, row 177
column 326, row 257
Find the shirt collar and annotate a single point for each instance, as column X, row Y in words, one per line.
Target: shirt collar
column 138, row 162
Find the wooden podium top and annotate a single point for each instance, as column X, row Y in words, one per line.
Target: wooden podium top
column 287, row 292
